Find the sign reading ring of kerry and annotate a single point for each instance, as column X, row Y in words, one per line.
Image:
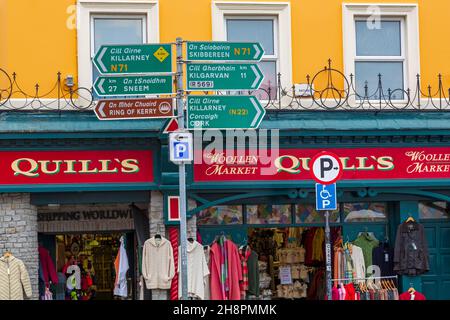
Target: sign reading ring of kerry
column 134, row 109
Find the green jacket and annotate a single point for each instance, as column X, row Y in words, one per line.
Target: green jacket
column 367, row 244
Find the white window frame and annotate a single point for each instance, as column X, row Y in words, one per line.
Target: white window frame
column 87, row 9
column 275, row 57
column 221, row 10
column 409, row 13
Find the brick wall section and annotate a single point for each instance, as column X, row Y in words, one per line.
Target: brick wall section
column 18, row 232
column 156, row 217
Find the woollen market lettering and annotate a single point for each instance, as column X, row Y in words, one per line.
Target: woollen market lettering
column 293, row 164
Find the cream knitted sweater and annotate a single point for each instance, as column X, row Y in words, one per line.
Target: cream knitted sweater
column 158, row 267
column 14, row 279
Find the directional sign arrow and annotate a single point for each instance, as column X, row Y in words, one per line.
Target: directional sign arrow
column 224, row 112
column 224, row 51
column 119, row 109
column 144, row 58
column 221, row 76
column 133, row 85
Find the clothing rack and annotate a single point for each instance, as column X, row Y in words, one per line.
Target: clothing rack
column 368, row 278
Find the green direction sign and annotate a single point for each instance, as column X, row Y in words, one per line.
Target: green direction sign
column 144, row 58
column 220, row 76
column 133, row 85
column 224, row 51
column 224, row 112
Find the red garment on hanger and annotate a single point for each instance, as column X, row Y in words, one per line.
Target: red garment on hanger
column 414, row 296
column 350, row 291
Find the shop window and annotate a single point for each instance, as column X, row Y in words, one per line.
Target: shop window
column 434, row 210
column 306, row 213
column 365, row 212
column 269, row 214
column 220, row 215
column 116, row 30
column 264, row 32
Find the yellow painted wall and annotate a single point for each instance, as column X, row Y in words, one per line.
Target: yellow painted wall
column 38, row 42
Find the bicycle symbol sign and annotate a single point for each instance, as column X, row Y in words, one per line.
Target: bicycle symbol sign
column 326, row 198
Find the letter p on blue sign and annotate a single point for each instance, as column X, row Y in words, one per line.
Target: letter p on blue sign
column 326, row 198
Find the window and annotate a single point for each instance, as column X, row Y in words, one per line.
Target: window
column 105, row 22
column 116, row 30
column 381, row 39
column 265, row 22
column 306, row 213
column 365, row 212
column 262, row 30
column 268, row 214
column 434, row 210
column 380, row 50
column 220, row 215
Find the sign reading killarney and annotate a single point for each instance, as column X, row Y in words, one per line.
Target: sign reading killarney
column 219, row 76
column 224, row 51
column 133, row 85
column 144, row 58
column 224, row 112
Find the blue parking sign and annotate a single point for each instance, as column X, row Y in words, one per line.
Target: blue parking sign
column 326, row 198
column 181, row 150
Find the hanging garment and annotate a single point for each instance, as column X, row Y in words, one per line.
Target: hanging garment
column 48, row 270
column 318, row 245
column 411, row 249
column 383, row 257
column 253, row 274
column 367, row 244
column 121, row 266
column 197, row 270
column 358, row 262
column 158, row 267
column 226, row 271
column 206, row 250
column 14, row 279
column 412, row 296
column 244, row 254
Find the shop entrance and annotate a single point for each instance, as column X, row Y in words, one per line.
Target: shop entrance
column 84, row 264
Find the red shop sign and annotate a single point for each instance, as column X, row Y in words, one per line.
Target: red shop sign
column 293, row 164
column 76, row 167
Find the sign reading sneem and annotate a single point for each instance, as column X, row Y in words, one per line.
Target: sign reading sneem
column 76, row 167
column 293, row 164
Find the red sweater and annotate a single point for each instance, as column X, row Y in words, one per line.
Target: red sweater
column 48, row 268
column 407, row 296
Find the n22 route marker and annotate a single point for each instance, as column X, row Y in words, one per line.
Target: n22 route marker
column 224, row 51
column 119, row 109
column 143, row 58
column 133, row 85
column 224, row 112
column 219, row 76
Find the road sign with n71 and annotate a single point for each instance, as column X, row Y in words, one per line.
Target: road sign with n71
column 224, row 51
column 224, row 112
column 221, row 76
column 133, row 85
column 142, row 58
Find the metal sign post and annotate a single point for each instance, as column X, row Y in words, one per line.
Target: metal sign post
column 182, row 174
column 326, row 169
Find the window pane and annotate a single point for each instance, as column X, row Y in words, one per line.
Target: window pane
column 306, row 213
column 365, row 212
column 384, row 41
column 267, row 214
column 391, row 78
column 115, row 31
column 220, row 215
column 252, row 30
column 269, row 69
column 434, row 210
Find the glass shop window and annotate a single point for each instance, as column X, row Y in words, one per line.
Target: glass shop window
column 434, row 210
column 307, row 213
column 220, row 215
column 264, row 31
column 269, row 214
column 365, row 212
column 380, row 50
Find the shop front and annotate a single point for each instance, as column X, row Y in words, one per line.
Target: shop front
column 266, row 201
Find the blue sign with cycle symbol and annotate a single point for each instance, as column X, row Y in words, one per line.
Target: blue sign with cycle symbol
column 326, row 198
